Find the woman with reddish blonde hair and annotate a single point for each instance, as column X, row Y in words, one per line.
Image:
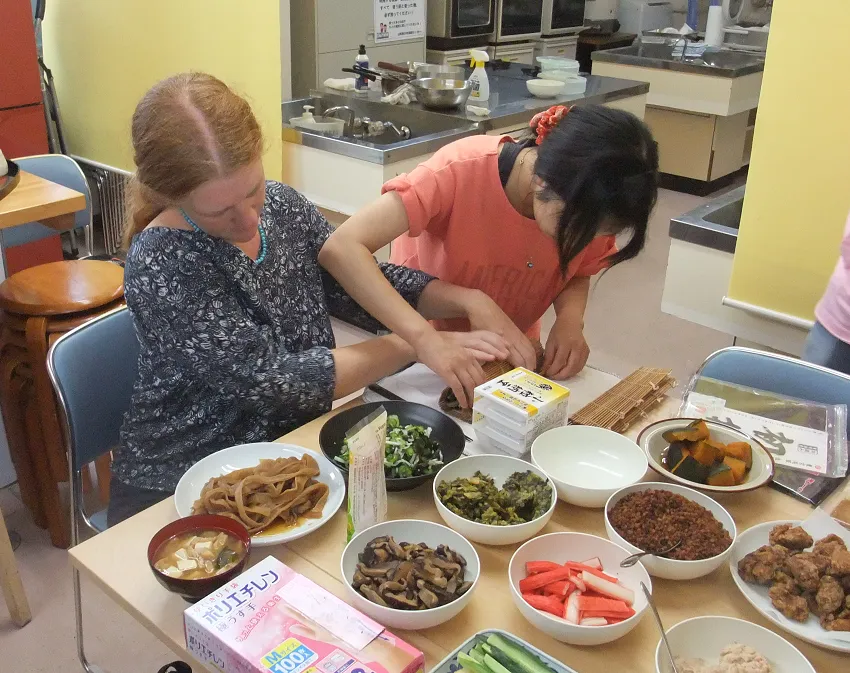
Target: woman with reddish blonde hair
column 229, row 303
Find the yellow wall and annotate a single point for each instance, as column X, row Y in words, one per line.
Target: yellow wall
column 106, row 53
column 798, row 190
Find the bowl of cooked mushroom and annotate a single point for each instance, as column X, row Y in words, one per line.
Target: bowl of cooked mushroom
column 410, row 574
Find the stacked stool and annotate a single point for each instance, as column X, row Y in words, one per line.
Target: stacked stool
column 38, row 306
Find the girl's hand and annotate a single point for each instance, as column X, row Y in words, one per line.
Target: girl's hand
column 455, row 358
column 566, row 350
column 485, row 314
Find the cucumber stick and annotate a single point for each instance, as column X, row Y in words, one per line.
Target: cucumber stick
column 471, row 664
column 477, row 653
column 494, row 665
column 524, row 659
column 506, row 661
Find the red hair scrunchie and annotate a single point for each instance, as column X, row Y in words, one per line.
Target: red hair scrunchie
column 544, row 122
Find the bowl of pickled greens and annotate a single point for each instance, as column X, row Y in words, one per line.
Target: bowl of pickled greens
column 494, row 499
column 419, row 441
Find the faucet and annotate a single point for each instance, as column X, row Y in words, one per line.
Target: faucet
column 403, row 132
column 349, row 125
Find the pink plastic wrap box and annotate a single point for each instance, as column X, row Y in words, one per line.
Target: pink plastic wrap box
column 270, row 619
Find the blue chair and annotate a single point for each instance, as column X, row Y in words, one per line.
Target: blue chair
column 93, row 369
column 777, row 374
column 64, row 171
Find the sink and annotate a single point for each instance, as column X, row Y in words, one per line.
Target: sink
column 714, row 224
column 728, row 215
column 728, row 60
column 423, row 125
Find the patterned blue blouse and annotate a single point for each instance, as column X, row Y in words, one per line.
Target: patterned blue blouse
column 231, row 351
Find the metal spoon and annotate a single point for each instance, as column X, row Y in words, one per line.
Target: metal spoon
column 629, row 561
column 660, row 626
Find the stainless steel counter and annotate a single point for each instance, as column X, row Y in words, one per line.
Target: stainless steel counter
column 714, row 224
column 716, row 62
column 510, row 105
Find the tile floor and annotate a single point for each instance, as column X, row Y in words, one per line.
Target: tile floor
column 625, row 329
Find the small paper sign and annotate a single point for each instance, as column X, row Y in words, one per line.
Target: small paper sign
column 397, row 20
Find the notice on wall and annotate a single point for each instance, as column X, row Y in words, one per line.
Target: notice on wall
column 397, row 20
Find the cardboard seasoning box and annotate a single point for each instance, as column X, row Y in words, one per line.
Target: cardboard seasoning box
column 270, row 619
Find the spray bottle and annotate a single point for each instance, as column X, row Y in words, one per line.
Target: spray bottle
column 478, row 80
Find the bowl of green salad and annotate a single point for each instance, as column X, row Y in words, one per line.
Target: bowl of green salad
column 420, row 441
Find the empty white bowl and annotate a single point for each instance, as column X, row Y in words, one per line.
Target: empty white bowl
column 563, row 547
column 500, row 468
column 587, row 464
column 654, row 445
column 673, row 569
column 544, row 88
column 409, row 530
column 704, row 638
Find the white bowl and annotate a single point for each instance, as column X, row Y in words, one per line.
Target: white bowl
column 562, row 547
column 704, row 638
column 666, row 568
column 587, row 464
column 654, row 445
column 409, row 530
column 500, row 468
column 544, row 88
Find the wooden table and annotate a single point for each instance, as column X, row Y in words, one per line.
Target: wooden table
column 35, row 199
column 116, row 561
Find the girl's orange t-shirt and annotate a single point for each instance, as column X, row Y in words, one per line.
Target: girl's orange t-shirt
column 464, row 230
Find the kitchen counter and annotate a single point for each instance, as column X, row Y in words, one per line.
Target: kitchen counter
column 511, row 104
column 714, row 62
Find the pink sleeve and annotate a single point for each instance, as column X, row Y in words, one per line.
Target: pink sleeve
column 595, row 256
column 427, row 196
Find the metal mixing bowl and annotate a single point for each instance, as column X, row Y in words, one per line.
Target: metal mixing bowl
column 441, row 93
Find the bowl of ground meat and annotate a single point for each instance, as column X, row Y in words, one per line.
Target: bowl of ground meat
column 654, row 516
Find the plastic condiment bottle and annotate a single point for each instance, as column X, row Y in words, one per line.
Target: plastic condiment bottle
column 362, row 61
column 478, row 80
column 308, row 117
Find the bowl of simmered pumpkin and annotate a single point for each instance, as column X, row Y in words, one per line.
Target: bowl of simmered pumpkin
column 706, row 455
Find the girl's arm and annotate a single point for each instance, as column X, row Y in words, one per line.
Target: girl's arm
column 566, row 348
column 348, row 256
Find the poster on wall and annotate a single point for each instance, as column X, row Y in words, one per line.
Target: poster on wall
column 397, row 20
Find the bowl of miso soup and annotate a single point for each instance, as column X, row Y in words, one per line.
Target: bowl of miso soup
column 196, row 555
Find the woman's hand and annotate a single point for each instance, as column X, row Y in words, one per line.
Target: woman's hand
column 456, row 357
column 566, row 349
column 485, row 314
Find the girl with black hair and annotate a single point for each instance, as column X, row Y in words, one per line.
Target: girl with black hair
column 522, row 225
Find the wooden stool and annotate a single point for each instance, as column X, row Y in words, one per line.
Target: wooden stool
column 39, row 305
column 10, row 580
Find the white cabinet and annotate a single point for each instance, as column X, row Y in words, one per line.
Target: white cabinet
column 325, row 38
column 563, row 47
column 516, row 53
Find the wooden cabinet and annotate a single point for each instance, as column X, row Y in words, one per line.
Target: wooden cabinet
column 23, row 131
column 697, row 145
column 20, row 81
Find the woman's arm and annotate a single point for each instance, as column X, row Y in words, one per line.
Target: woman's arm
column 566, row 348
column 348, row 256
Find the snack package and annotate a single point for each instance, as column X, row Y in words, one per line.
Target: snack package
column 270, row 619
column 367, row 485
